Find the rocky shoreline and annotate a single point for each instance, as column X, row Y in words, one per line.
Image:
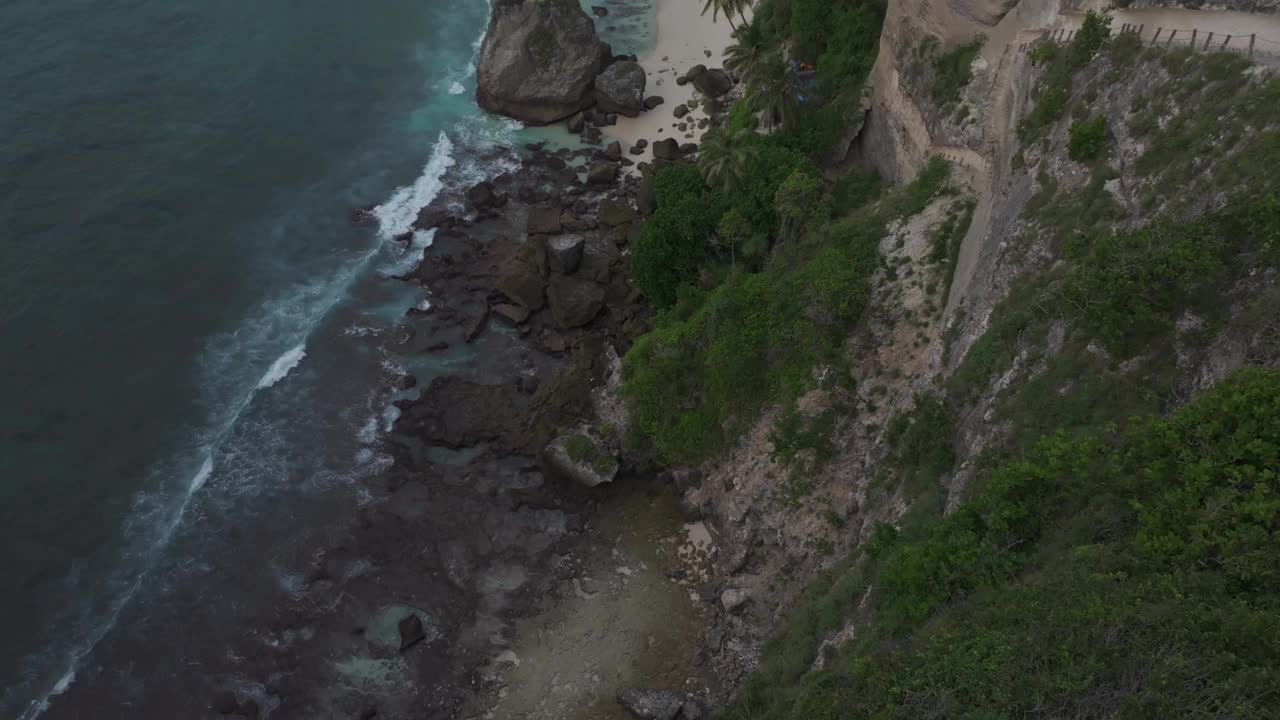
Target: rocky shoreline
column 496, row 510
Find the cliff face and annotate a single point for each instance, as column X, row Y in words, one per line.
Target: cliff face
column 990, row 353
column 539, row 60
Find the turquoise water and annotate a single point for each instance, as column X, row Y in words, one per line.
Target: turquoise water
column 190, row 326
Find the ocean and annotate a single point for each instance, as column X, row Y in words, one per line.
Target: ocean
column 194, row 363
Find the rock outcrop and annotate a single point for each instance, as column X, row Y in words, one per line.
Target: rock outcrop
column 620, row 89
column 539, row 60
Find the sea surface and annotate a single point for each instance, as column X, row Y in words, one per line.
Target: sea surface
column 193, row 333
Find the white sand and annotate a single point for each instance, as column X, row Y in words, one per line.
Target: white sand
column 684, row 38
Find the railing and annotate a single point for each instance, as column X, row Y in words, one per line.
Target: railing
column 1193, row 38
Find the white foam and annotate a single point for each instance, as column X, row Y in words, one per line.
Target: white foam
column 283, row 364
column 412, row 255
column 396, row 216
column 205, row 470
column 456, row 88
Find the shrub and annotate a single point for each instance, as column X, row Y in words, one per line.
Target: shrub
column 953, row 70
column 673, row 242
column 1088, row 139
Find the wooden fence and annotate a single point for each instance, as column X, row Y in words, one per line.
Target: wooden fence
column 1249, row 45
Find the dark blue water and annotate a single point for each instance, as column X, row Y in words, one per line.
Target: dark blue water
column 182, row 296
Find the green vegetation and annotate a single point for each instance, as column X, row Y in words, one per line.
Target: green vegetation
column 716, row 357
column 581, row 449
column 1116, row 552
column 953, row 70
column 1060, row 64
column 673, row 243
column 1129, row 573
column 1088, row 139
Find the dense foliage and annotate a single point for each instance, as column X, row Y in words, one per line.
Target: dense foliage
column 716, row 357
column 1088, row 139
column 1131, row 573
column 673, row 242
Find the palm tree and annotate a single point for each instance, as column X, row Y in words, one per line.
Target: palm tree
column 750, row 46
column 723, row 6
column 775, row 92
column 724, row 157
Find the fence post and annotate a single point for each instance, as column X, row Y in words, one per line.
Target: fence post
column 1193, row 39
column 1169, row 42
column 1208, row 40
column 1224, row 42
column 1252, row 39
column 1140, row 27
column 1156, row 37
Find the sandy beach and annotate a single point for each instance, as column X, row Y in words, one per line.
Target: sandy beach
column 684, row 38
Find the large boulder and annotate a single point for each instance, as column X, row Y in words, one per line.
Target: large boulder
column 574, row 302
column 712, row 83
column 602, row 172
column 564, row 253
column 620, row 89
column 543, row 219
column 615, row 211
column 522, row 279
column 576, row 456
column 667, row 149
column 539, row 60
column 651, row 704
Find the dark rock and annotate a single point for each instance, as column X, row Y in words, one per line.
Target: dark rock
column 522, row 277
column 539, row 60
column 437, row 346
column 653, row 101
column 600, row 11
column 615, row 212
column 636, row 150
column 575, row 223
column 514, row 314
column 680, row 111
column 650, row 704
column 482, row 196
column 611, row 119
column 694, row 72
column 224, row 703
column 688, row 148
column 543, row 220
column 682, row 80
column 528, row 384
column 713, row 83
column 620, row 89
column 249, row 709
column 613, row 151
column 574, row 302
column 575, row 123
column 475, row 324
column 411, row 632
column 602, row 172
column 431, row 216
column 667, row 149
column 369, row 712
column 642, row 143
column 564, row 253
column 646, row 193
column 691, row 710
column 587, row 464
column 363, row 215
